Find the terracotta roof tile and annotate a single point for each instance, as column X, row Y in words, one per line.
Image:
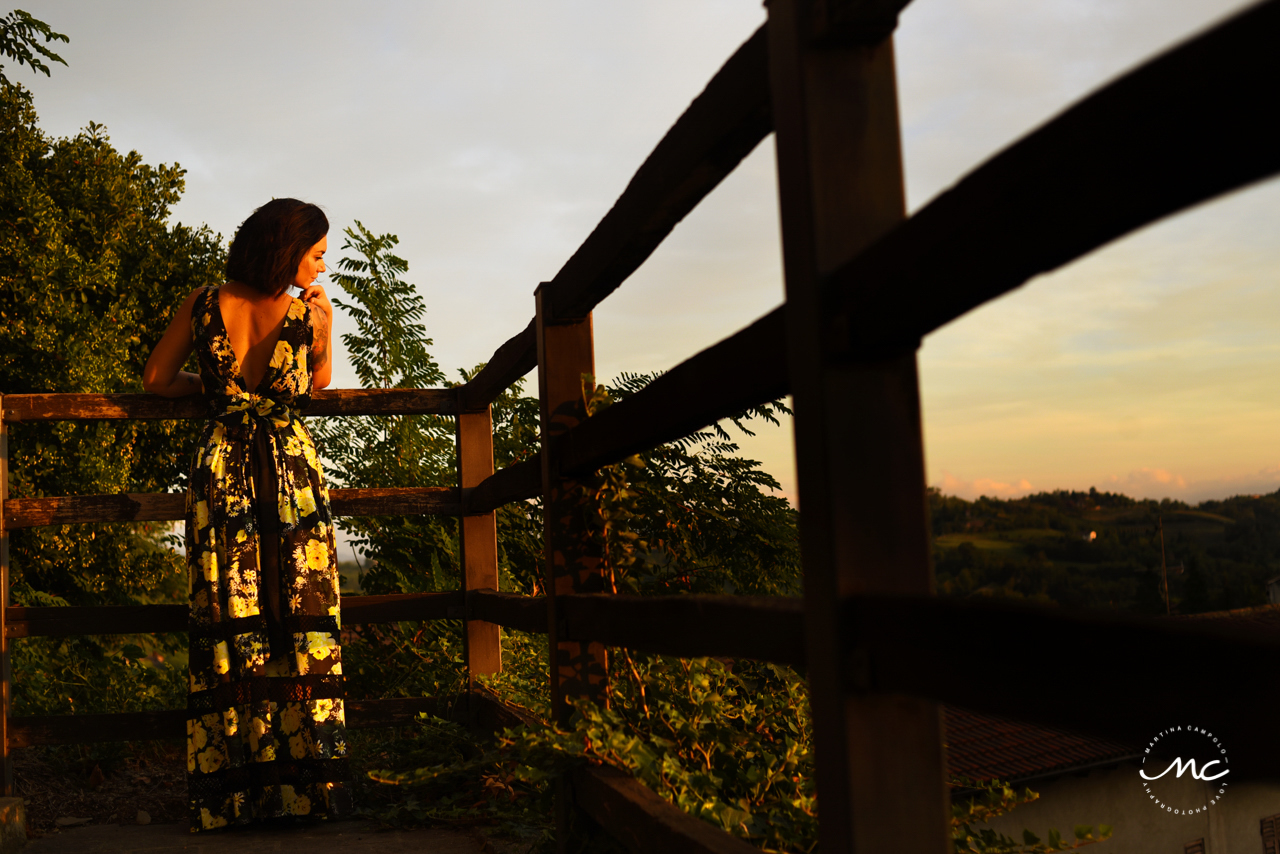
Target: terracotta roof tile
column 983, row 747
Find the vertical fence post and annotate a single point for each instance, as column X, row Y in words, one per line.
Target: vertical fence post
column 860, row 457
column 478, row 539
column 6, row 761
column 566, row 352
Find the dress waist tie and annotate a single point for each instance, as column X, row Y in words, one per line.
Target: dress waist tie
column 267, row 510
column 252, row 418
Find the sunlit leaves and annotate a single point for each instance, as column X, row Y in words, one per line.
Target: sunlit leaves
column 19, row 41
column 988, row 799
column 90, row 274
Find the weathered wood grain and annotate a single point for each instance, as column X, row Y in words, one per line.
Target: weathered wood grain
column 509, row 610
column 169, row 507
column 513, row 483
column 402, row 607
column 88, row 407
column 746, row 369
column 408, row 501
column 879, row 761
column 642, row 821
column 344, row 401
column 74, row 509
column 384, row 401
column 515, row 358
column 1086, row 671
column 478, row 543
column 719, row 129
column 1179, row 130
column 573, row 558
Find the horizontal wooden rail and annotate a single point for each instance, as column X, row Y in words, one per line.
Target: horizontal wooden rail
column 1181, row 129
column 424, row 500
column 171, row 506
column 402, row 607
column 765, row 628
column 171, row 723
column 384, row 401
column 510, row 362
column 151, row 407
column 744, row 370
column 1093, row 672
column 509, row 610
column 721, row 127
column 641, row 820
column 513, row 483
column 707, row 142
column 75, row 509
column 731, row 626
column 44, row 622
column 23, row 622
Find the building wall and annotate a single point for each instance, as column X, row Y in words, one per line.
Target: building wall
column 1116, row 797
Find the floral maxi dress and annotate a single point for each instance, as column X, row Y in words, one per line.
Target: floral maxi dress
column 266, row 735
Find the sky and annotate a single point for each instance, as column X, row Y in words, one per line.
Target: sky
column 492, row 136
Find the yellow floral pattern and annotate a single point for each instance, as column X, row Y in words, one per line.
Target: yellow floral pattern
column 266, row 730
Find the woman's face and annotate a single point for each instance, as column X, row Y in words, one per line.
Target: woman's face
column 312, row 264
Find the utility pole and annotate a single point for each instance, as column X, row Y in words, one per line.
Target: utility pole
column 1164, row 573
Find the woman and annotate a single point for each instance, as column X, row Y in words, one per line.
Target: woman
column 265, row 729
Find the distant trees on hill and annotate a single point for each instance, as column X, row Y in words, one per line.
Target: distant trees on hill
column 1102, row 550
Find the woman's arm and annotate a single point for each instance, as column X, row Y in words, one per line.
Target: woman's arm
column 321, row 342
column 163, row 374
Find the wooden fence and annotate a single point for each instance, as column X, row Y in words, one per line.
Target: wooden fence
column 864, row 284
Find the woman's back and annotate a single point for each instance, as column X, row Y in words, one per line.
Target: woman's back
column 253, row 322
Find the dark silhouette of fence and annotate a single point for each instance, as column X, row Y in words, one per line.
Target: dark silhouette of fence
column 864, row 284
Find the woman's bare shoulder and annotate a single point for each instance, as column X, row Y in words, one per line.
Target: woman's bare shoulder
column 188, row 304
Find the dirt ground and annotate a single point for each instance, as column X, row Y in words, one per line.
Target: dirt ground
column 80, row 801
column 350, row 837
column 64, row 790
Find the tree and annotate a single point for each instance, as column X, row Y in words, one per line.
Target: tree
column 90, row 275
column 389, row 350
column 18, row 32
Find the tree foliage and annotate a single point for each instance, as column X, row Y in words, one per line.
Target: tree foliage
column 990, row 799
column 90, row 274
column 19, row 34
column 1103, row 550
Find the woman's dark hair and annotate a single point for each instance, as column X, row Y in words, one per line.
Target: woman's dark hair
column 270, row 244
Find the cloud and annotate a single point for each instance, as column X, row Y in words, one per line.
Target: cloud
column 1149, row 483
column 1258, row 482
column 982, row 486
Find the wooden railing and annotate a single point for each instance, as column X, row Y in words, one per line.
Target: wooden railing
column 864, row 284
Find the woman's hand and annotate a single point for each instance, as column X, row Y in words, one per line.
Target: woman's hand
column 322, row 327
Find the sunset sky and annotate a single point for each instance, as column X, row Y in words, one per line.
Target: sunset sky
column 492, row 136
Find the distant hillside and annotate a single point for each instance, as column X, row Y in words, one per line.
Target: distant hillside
column 1102, row 550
